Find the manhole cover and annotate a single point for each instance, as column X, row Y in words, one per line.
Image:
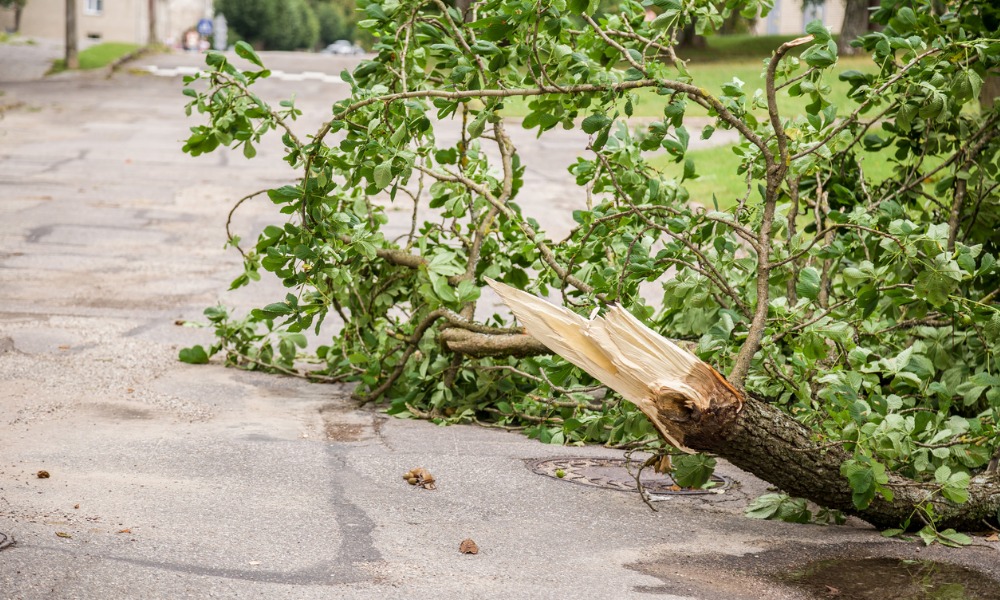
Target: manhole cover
column 611, row 473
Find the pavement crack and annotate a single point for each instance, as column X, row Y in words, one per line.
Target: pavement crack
column 53, row 167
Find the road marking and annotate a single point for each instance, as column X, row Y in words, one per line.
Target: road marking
column 275, row 74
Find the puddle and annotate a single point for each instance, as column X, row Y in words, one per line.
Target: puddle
column 863, row 578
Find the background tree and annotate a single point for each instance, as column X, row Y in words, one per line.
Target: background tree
column 18, row 6
column 855, row 316
column 72, row 56
column 336, row 20
column 272, row 24
column 857, row 22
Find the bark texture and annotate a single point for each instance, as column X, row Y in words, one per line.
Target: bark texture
column 763, row 440
column 990, row 91
column 482, row 345
column 855, row 24
column 72, row 57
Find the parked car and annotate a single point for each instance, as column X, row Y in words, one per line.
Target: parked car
column 343, row 47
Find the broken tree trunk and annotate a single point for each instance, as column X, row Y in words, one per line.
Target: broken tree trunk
column 694, row 408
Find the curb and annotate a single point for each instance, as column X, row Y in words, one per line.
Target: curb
column 133, row 55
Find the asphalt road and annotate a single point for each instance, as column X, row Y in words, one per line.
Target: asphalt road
column 174, row 481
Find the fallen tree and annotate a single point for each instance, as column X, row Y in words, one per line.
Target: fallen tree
column 692, row 406
column 849, row 289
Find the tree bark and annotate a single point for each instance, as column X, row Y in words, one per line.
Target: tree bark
column 689, row 39
column 856, row 19
column 152, row 24
column 72, row 56
column 990, row 91
column 763, row 440
column 482, row 345
column 464, row 7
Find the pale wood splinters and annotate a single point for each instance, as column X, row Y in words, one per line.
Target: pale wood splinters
column 672, row 387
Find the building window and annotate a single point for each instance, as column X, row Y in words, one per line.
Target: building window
column 93, row 7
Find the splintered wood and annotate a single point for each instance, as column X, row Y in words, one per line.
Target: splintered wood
column 671, row 386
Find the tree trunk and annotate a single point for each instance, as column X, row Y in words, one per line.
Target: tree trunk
column 463, row 7
column 990, row 91
column 694, row 408
column 72, row 57
column 152, row 24
column 763, row 440
column 18, row 8
column 689, row 39
column 856, row 19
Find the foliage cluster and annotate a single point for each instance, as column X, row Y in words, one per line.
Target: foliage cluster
column 866, row 309
column 289, row 24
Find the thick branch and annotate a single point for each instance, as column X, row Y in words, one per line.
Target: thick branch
column 772, row 98
column 776, row 171
column 482, row 345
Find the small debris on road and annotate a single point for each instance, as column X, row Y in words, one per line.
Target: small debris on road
column 468, row 547
column 420, row 477
column 42, row 474
column 63, row 534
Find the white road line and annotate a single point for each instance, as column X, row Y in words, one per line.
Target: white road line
column 275, row 74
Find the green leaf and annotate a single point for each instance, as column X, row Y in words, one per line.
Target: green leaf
column 765, row 507
column 693, row 470
column 382, row 174
column 477, row 125
column 808, row 284
column 444, row 263
column 195, row 355
column 594, row 123
column 781, row 507
column 950, row 537
column 818, row 30
column 865, row 476
column 244, row 50
column 934, row 287
column 278, row 308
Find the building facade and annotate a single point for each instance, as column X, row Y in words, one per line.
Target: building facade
column 109, row 20
column 788, row 17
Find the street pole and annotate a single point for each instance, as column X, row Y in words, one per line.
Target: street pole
column 72, row 60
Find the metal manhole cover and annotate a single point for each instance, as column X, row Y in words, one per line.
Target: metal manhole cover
column 611, row 473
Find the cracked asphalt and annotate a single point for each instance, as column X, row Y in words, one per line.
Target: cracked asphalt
column 176, row 481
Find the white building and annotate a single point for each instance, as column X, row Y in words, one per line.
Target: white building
column 109, row 20
column 788, row 18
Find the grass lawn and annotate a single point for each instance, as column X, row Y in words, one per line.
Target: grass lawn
column 97, row 56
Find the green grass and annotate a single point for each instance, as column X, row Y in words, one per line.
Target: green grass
column 716, row 168
column 97, row 56
column 15, row 39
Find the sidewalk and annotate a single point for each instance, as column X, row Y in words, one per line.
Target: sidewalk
column 174, row 481
column 27, row 59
